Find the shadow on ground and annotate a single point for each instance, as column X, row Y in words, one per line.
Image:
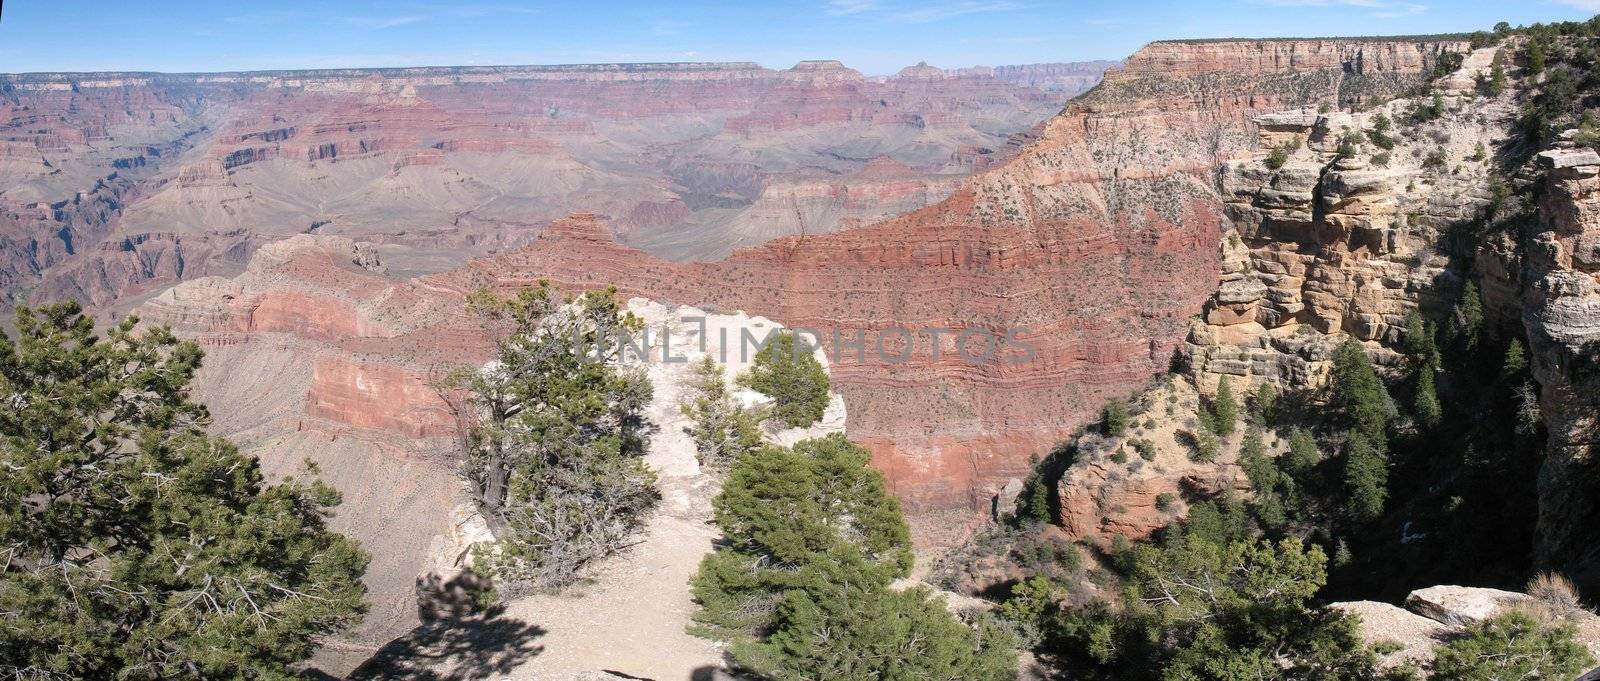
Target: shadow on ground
column 460, row 648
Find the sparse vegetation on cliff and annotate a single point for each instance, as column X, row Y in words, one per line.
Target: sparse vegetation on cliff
column 137, row 545
column 555, row 455
column 1208, row 601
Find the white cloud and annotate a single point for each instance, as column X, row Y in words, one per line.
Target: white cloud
column 1585, row 5
column 918, row 12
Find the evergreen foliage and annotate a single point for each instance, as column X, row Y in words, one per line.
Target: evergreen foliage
column 1511, row 646
column 556, row 455
column 1303, row 453
column 1366, row 477
column 1426, row 402
column 1359, row 394
column 1277, row 157
column 801, row 586
column 1224, row 409
column 785, row 370
column 138, row 546
column 1114, row 417
column 722, row 430
column 1469, row 317
column 1211, row 603
column 1264, row 404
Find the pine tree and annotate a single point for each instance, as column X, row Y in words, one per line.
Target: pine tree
column 1469, row 316
column 801, row 585
column 1250, row 617
column 137, row 545
column 1426, row 403
column 722, row 430
column 1269, row 484
column 1114, row 417
column 1037, row 496
column 1366, row 477
column 1359, row 394
column 1516, row 360
column 1511, row 646
column 850, row 632
column 1264, row 404
column 1419, row 343
column 793, row 378
column 1224, row 409
column 1303, row 453
column 557, row 455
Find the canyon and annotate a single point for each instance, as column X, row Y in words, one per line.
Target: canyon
column 116, row 185
column 1096, row 243
column 323, row 230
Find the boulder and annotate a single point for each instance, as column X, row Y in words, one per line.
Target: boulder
column 1461, row 605
column 1568, row 158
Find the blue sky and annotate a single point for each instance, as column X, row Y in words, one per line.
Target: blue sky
column 876, row 36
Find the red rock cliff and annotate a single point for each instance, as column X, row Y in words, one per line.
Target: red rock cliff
column 1100, row 239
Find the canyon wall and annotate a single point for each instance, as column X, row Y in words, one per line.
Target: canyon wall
column 113, row 186
column 1561, row 311
column 1093, row 247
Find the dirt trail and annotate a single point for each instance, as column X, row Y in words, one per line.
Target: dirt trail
column 632, row 618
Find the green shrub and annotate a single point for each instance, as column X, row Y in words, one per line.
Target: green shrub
column 139, row 546
column 1254, row 618
column 801, row 584
column 1382, row 131
column 1202, row 444
column 1146, row 449
column 788, row 373
column 1165, row 500
column 1435, row 159
column 558, row 455
column 819, row 505
column 1366, row 477
column 1224, row 411
column 1421, row 112
column 1511, row 646
column 1114, row 418
column 722, row 430
column 1277, row 157
column 1358, row 393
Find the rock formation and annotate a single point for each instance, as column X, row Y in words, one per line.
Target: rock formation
column 117, row 185
column 1436, row 614
column 1561, row 311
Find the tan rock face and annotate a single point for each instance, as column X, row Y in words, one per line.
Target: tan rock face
column 1327, row 246
column 1561, row 310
